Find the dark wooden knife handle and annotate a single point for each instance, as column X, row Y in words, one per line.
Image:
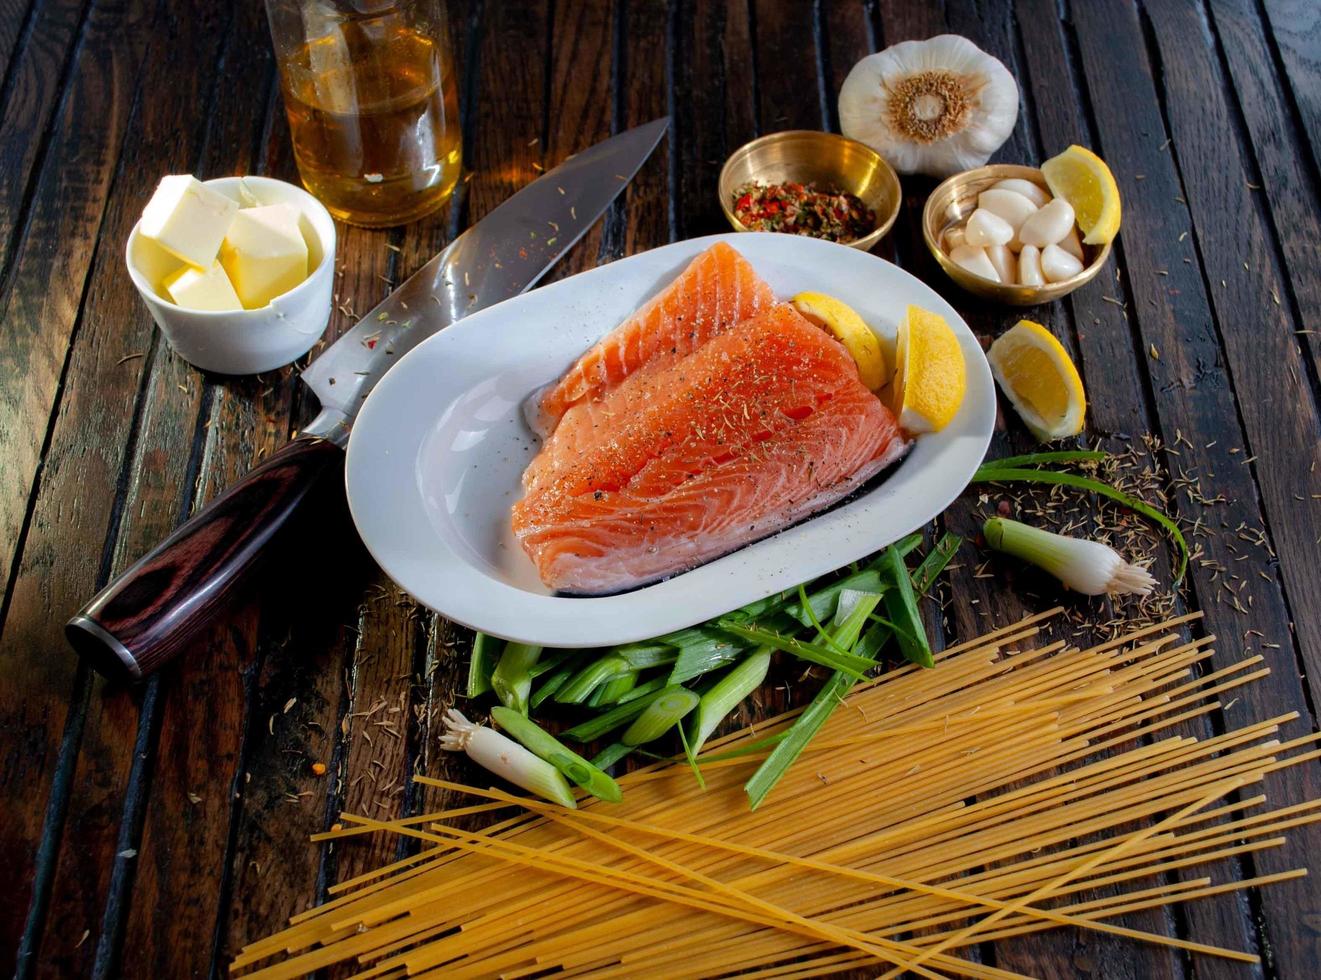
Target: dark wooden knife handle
column 154, row 610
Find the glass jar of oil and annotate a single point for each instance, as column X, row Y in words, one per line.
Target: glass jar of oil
column 372, row 100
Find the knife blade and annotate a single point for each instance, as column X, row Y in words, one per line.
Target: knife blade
column 154, row 610
column 501, row 256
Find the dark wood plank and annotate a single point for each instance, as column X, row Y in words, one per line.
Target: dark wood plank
column 714, row 107
column 1278, row 151
column 1296, row 28
column 644, row 96
column 61, row 564
column 1194, row 401
column 15, row 17
column 109, row 759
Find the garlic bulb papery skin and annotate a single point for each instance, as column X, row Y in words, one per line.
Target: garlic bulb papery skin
column 933, row 107
column 1085, row 566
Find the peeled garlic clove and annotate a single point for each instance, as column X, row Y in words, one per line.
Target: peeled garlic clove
column 954, row 237
column 1049, row 225
column 1072, row 244
column 1010, row 205
column 1034, row 193
column 987, row 228
column 1029, row 266
column 934, row 107
column 1058, row 265
column 975, row 260
column 1004, row 263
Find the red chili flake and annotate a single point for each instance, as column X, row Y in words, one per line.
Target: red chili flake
column 803, row 209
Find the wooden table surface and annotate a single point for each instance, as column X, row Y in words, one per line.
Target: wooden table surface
column 151, row 831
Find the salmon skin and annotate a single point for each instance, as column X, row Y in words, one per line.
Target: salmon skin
column 761, row 426
column 717, row 290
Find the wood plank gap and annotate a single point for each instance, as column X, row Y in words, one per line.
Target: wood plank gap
column 674, row 185
column 1312, row 139
column 820, row 50
column 22, row 34
column 119, row 893
column 754, row 59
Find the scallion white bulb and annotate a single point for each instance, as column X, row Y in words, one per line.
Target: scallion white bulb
column 1085, row 566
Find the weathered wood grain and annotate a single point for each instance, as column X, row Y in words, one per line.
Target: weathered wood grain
column 1193, row 398
column 1296, row 27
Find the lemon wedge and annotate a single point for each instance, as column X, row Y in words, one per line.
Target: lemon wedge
column 930, row 375
column 1038, row 377
column 851, row 331
column 1081, row 177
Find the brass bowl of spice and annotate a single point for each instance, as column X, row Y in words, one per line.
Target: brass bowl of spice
column 810, row 183
column 945, row 227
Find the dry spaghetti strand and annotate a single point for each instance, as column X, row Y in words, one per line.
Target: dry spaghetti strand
column 1049, row 793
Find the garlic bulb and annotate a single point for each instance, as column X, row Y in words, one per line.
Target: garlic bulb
column 930, row 107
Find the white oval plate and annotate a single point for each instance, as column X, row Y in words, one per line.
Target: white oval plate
column 436, row 455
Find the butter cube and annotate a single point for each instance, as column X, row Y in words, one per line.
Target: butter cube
column 188, row 219
column 264, row 253
column 196, row 289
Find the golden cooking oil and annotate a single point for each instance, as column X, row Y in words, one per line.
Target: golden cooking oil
column 373, row 113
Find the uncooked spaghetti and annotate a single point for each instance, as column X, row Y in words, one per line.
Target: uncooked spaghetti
column 870, row 854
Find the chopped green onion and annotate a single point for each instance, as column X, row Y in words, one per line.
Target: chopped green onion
column 547, row 746
column 616, row 717
column 993, row 474
column 512, row 678
column 692, row 762
column 549, row 686
column 901, row 604
column 611, row 754
column 506, row 758
column 586, row 680
column 667, row 710
column 612, row 690
column 550, row 662
column 645, row 688
column 849, row 663
column 741, row 680
column 644, row 656
column 479, row 665
column 821, row 604
column 707, row 652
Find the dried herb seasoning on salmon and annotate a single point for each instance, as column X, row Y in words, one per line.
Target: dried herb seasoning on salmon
column 803, row 209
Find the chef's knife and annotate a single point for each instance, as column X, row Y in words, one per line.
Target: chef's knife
column 155, row 609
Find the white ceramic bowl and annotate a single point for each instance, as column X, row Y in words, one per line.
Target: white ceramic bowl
column 245, row 341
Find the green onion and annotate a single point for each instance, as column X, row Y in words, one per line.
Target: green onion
column 506, row 758
column 1089, row 567
column 643, row 689
column 644, row 656
column 990, row 473
column 586, row 680
column 512, row 679
column 821, row 604
column 848, row 663
column 612, row 690
column 611, row 754
column 616, row 717
column 1041, row 459
column 667, row 710
column 743, row 678
column 901, row 604
column 706, row 652
column 479, row 665
column 924, row 577
column 692, row 762
column 549, row 686
column 543, row 744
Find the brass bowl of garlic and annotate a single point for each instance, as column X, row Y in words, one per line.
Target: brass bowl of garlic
column 1000, row 235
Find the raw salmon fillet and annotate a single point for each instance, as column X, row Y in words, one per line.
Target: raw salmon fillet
column 756, row 429
column 717, row 290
